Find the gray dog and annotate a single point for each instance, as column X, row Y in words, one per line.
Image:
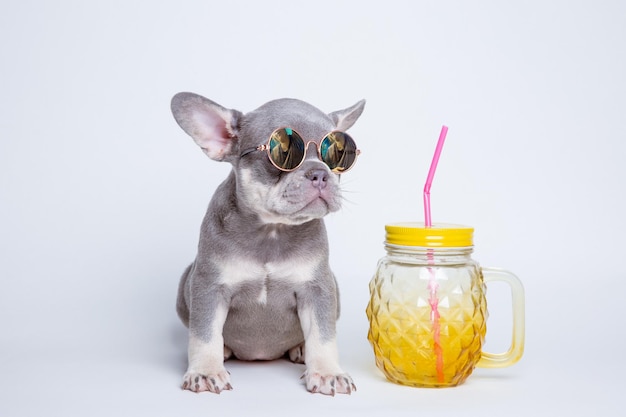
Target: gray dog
column 261, row 287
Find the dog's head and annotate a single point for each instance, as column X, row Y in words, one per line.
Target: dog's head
column 309, row 191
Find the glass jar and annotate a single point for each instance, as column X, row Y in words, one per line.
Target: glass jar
column 428, row 310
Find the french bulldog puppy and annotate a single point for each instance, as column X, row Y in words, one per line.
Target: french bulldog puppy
column 261, row 287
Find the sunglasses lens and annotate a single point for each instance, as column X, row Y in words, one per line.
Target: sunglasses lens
column 338, row 151
column 286, row 149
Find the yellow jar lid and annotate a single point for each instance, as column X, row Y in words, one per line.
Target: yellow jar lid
column 439, row 235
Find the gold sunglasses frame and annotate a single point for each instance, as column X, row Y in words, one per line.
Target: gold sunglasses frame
column 266, row 148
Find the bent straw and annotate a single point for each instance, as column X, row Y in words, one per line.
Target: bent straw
column 433, row 286
column 431, row 174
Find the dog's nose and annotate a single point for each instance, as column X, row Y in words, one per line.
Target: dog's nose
column 318, row 177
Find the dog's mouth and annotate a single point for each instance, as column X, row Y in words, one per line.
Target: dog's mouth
column 322, row 204
column 320, row 200
column 328, row 199
column 292, row 200
column 298, row 211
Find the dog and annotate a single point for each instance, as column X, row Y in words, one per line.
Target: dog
column 261, row 287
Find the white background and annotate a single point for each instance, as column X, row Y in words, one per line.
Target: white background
column 102, row 194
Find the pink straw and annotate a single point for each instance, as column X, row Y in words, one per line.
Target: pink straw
column 432, row 285
column 431, row 174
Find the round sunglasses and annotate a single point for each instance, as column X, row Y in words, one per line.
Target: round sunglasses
column 286, row 150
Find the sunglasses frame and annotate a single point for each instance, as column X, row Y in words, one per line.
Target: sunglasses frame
column 266, row 148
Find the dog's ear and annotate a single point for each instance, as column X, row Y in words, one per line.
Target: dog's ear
column 213, row 127
column 345, row 118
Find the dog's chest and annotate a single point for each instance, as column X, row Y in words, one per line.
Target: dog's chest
column 256, row 281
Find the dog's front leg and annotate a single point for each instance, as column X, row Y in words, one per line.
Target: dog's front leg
column 323, row 373
column 206, row 370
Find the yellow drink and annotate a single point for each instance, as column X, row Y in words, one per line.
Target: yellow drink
column 420, row 343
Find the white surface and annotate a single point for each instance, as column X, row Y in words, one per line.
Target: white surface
column 102, row 194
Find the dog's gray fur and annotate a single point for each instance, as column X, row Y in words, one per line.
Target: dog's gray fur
column 261, row 286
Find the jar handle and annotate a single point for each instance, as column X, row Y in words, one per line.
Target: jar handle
column 516, row 350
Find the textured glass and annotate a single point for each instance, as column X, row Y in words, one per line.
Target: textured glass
column 427, row 318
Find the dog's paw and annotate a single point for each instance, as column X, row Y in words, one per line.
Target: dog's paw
column 296, row 354
column 328, row 384
column 198, row 382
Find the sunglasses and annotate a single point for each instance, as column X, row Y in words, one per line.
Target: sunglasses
column 286, row 150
